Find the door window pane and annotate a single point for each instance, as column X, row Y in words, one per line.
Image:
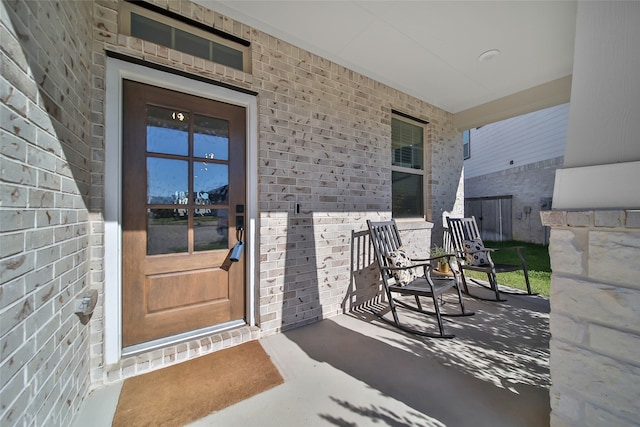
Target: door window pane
column 167, row 181
column 210, row 229
column 167, row 231
column 407, row 195
column 167, row 131
column 210, row 183
column 210, row 138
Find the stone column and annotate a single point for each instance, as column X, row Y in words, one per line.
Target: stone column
column 595, row 317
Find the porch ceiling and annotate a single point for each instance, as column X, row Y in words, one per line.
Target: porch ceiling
column 430, row 49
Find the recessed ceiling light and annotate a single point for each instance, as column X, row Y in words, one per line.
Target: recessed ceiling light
column 488, row 55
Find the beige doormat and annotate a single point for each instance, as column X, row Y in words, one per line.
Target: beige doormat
column 191, row 390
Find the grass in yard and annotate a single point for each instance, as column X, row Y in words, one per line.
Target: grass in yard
column 538, row 265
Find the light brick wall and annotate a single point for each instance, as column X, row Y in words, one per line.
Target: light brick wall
column 527, row 184
column 45, row 134
column 595, row 312
column 324, row 142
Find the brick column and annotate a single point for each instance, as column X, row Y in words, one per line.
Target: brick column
column 595, row 317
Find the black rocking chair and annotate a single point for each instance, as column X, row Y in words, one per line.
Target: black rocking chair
column 400, row 275
column 472, row 255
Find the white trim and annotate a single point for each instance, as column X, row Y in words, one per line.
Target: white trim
column 116, row 71
column 176, row 339
column 612, row 186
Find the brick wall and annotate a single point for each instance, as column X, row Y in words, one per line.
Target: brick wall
column 595, row 306
column 45, row 134
column 324, row 142
column 527, row 184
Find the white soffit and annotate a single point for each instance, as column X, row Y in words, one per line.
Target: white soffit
column 428, row 49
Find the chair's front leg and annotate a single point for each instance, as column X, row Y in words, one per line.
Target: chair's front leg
column 493, row 281
column 524, row 270
column 464, row 281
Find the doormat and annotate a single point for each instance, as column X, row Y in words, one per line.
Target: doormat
column 183, row 393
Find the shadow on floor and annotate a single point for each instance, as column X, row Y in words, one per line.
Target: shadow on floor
column 495, row 372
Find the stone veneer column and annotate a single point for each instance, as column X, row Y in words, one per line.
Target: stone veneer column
column 595, row 317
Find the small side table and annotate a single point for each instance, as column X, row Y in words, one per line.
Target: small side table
column 436, row 274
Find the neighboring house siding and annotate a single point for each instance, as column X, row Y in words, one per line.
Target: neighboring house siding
column 523, row 140
column 324, row 141
column 534, row 142
column 46, row 141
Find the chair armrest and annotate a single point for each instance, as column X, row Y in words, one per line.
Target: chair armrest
column 434, row 258
column 480, row 250
column 517, row 248
column 406, row 267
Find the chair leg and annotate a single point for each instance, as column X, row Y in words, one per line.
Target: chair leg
column 396, row 321
column 493, row 281
column 464, row 313
column 436, row 307
column 493, row 285
column 526, row 279
column 394, row 313
column 525, row 271
column 464, row 281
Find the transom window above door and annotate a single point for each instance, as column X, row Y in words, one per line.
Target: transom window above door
column 174, row 31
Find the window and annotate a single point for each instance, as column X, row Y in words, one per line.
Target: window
column 466, row 144
column 407, row 168
column 181, row 34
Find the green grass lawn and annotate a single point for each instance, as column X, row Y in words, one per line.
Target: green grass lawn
column 537, row 257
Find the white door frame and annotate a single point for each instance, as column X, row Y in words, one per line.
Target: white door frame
column 116, row 71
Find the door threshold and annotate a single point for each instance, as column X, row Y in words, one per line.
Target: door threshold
column 145, row 347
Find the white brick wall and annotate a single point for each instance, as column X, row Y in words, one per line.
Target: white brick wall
column 45, row 55
column 595, row 307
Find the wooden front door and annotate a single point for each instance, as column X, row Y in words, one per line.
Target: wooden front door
column 183, row 193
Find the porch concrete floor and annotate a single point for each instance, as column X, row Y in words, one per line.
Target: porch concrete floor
column 354, row 370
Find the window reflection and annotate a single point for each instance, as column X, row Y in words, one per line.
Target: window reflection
column 210, row 229
column 210, row 138
column 210, row 183
column 167, row 231
column 194, row 181
column 167, row 131
column 167, row 181
column 407, row 194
